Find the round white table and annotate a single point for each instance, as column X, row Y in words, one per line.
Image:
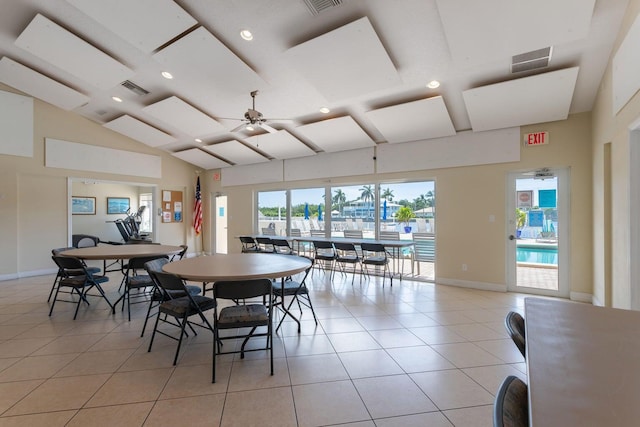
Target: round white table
column 105, row 252
column 237, row 267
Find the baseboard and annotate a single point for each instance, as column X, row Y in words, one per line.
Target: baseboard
column 584, row 297
column 31, row 273
column 472, row 285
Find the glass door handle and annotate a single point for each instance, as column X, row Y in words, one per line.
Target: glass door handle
column 512, row 237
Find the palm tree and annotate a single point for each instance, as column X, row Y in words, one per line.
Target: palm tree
column 366, row 193
column 430, row 196
column 339, row 199
column 420, row 202
column 387, row 194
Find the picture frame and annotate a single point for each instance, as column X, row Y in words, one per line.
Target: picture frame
column 118, row 205
column 81, row 205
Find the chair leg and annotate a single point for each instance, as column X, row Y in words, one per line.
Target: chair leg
column 146, row 319
column 183, row 324
column 80, row 298
column 155, row 327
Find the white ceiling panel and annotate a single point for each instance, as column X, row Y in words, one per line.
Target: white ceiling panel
column 57, row 46
column 236, row 152
column 200, row 158
column 280, row 145
column 540, row 98
column 140, row 131
column 346, row 62
column 146, row 24
column 184, row 117
column 39, row 86
column 413, row 121
column 499, row 29
column 339, row 134
column 215, row 68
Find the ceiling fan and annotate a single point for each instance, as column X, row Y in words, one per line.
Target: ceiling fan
column 254, row 119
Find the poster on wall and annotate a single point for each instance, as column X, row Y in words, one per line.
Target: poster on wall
column 524, row 199
column 166, row 216
column 177, row 211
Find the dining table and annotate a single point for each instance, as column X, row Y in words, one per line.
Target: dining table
column 582, row 364
column 239, row 267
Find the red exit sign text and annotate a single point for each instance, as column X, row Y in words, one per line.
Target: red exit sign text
column 536, row 138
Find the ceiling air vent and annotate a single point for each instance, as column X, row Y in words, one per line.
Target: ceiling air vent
column 134, row 88
column 531, row 60
column 317, row 6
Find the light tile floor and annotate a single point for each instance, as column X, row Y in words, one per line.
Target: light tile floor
column 415, row 354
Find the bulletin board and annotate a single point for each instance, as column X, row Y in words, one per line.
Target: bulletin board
column 172, row 206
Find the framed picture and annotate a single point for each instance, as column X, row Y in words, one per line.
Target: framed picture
column 118, row 205
column 83, row 205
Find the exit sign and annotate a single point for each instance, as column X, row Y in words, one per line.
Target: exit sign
column 536, row 138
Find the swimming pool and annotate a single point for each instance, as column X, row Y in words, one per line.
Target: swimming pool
column 537, row 255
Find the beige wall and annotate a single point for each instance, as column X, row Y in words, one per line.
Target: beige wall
column 33, row 198
column 466, row 197
column 611, row 186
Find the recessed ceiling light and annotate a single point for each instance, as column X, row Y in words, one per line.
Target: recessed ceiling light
column 115, row 98
column 433, row 84
column 198, row 140
column 246, row 34
column 324, row 110
column 167, row 75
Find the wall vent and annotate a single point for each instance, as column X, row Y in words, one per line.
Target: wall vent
column 531, row 60
column 134, row 88
column 317, row 6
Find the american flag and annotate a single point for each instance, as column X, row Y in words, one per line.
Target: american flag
column 197, row 210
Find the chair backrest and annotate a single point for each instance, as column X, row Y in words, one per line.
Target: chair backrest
column 511, row 405
column 138, row 263
column 56, row 251
column 372, row 247
column 424, row 247
column 182, row 253
column 155, row 265
column 353, row 234
column 345, row 247
column 84, row 241
column 317, row 233
column 295, row 232
column 169, row 282
column 389, row 235
column 514, row 322
column 242, row 289
column 267, row 231
column 248, row 244
column 68, row 263
column 322, row 245
column 281, row 246
column 265, row 244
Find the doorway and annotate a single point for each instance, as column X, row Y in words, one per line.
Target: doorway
column 220, row 220
column 537, row 235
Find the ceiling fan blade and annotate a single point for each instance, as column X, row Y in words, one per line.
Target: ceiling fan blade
column 239, row 128
column 268, row 128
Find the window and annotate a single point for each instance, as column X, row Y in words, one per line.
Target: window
column 272, row 211
column 418, row 199
column 146, row 225
column 308, row 209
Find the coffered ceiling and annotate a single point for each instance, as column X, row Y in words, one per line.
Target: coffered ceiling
column 368, row 62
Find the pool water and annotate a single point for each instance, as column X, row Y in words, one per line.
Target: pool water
column 535, row 255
